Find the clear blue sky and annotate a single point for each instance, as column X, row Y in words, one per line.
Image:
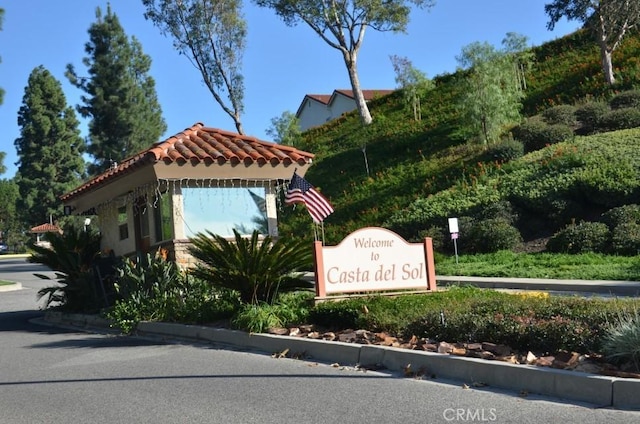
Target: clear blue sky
column 281, row 64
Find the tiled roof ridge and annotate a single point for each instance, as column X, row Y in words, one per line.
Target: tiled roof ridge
column 45, row 228
column 199, row 143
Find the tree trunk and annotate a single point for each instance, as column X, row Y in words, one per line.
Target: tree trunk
column 607, row 65
column 361, row 104
column 605, row 55
column 238, row 123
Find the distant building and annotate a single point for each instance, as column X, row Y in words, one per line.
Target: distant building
column 317, row 109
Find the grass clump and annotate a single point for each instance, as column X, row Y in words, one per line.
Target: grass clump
column 622, row 340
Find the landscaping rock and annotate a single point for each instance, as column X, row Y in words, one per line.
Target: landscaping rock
column 594, row 364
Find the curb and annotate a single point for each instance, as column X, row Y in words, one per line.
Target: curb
column 623, row 288
column 601, row 391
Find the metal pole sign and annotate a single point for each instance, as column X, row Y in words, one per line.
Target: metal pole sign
column 453, row 229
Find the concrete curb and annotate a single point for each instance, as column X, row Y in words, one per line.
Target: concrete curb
column 623, row 288
column 598, row 390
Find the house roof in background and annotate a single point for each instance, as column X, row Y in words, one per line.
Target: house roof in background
column 199, row 144
column 327, row 99
column 45, row 228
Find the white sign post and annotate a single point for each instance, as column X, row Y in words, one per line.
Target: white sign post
column 453, row 229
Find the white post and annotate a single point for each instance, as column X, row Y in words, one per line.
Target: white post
column 177, row 208
column 272, row 211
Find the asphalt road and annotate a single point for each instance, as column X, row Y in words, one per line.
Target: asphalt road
column 58, row 375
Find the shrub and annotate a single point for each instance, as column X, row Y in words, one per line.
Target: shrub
column 563, row 211
column 257, row 318
column 580, row 238
column 338, row 315
column 257, row 270
column 621, row 215
column 620, row 119
column 625, row 239
column 529, row 132
column 465, row 228
column 621, row 342
column 154, row 289
column 556, row 133
column 543, row 324
column 492, row 235
column 439, row 236
column 290, row 308
column 561, row 114
column 502, row 209
column 506, row 150
column 71, row 257
column 590, row 114
column 626, row 99
column 536, row 135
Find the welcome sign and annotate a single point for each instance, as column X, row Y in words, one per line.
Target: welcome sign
column 374, row 259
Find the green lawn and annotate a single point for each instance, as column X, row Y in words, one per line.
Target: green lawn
column 589, row 266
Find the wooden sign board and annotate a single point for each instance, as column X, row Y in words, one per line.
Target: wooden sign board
column 373, row 259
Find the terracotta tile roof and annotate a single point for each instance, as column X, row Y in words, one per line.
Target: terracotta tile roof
column 200, row 144
column 45, row 228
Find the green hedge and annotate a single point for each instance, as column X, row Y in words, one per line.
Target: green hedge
column 584, row 237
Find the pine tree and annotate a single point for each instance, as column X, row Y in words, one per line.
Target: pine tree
column 1, row 19
column 120, row 99
column 49, row 148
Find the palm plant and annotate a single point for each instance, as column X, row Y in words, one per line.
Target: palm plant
column 257, row 269
column 70, row 256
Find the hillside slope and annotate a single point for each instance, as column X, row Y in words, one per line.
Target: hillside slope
column 411, row 161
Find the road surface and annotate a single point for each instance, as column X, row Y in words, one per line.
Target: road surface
column 58, row 375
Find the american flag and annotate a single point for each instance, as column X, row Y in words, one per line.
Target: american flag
column 300, row 191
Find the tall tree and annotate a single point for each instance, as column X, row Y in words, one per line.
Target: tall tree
column 520, row 56
column 610, row 21
column 1, row 20
column 120, row 95
column 285, row 129
column 491, row 92
column 413, row 82
column 212, row 35
column 342, row 24
column 49, row 148
column 10, row 220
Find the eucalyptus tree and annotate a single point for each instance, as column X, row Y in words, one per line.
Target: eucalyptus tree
column 49, row 148
column 120, row 99
column 212, row 35
column 609, row 20
column 285, row 129
column 413, row 82
column 491, row 91
column 342, row 25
